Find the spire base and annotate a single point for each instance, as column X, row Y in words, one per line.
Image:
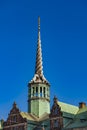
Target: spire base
column 39, row 79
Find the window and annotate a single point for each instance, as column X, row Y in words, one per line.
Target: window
column 36, row 91
column 14, row 119
column 55, row 123
column 14, row 128
column 33, row 91
column 40, row 91
column 47, row 92
column 44, row 91
column 83, row 120
column 55, row 111
column 21, row 128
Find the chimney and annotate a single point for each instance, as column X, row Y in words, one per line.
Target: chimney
column 82, row 105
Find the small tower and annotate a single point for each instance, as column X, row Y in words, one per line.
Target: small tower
column 38, row 87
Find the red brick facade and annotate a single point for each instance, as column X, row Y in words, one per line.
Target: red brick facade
column 15, row 120
column 56, row 120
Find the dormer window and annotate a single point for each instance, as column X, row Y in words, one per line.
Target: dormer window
column 83, row 120
column 55, row 111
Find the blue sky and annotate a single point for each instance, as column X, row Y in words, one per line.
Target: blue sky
column 64, row 48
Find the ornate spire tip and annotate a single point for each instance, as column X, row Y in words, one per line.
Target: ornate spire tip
column 38, row 23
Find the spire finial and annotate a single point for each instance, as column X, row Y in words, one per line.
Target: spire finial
column 14, row 104
column 38, row 23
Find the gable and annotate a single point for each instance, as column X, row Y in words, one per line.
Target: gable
column 14, row 119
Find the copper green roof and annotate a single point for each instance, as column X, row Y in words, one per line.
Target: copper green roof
column 82, row 114
column 32, row 117
column 82, row 110
column 77, row 124
column 28, row 116
column 78, row 115
column 68, row 110
column 75, row 117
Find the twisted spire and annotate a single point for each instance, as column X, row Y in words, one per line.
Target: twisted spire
column 38, row 76
column 39, row 66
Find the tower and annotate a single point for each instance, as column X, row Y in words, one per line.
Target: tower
column 38, row 87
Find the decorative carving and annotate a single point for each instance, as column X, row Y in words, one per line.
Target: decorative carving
column 56, row 119
column 14, row 120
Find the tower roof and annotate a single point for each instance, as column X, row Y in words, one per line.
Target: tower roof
column 39, row 76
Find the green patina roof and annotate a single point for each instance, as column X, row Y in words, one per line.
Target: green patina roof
column 77, row 124
column 80, row 119
column 68, row 110
column 82, row 115
column 32, row 117
column 78, row 116
column 82, row 110
column 28, row 116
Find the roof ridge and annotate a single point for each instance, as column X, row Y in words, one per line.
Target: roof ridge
column 68, row 104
